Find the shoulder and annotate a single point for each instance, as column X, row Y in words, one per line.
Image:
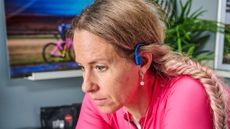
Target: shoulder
column 184, row 79
column 185, row 89
column 187, row 105
column 186, row 84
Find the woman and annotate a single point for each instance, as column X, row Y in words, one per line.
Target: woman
column 133, row 80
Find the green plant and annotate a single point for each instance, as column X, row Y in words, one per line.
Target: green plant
column 186, row 32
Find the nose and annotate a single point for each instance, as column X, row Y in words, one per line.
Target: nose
column 88, row 84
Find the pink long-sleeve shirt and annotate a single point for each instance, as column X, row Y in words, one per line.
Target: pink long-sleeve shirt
column 180, row 103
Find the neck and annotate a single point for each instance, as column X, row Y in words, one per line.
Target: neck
column 139, row 103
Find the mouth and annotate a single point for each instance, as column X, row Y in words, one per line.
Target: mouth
column 100, row 101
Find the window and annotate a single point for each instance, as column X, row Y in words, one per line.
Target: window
column 222, row 52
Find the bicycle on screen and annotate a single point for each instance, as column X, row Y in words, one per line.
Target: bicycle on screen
column 59, row 51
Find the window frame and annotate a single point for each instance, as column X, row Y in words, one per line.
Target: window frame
column 219, row 47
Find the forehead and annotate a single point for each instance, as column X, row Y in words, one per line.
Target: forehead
column 89, row 47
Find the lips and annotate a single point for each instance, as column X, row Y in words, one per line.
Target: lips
column 100, row 101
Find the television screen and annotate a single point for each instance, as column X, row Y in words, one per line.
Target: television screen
column 37, row 35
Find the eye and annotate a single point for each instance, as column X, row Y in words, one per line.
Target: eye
column 82, row 68
column 101, row 68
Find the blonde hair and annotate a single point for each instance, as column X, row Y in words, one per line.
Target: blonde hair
column 124, row 23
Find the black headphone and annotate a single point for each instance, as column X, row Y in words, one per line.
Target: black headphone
column 138, row 58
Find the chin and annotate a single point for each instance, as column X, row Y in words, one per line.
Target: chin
column 108, row 109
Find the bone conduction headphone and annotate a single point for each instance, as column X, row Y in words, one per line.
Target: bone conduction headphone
column 138, row 58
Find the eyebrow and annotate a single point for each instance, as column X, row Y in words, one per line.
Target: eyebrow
column 94, row 61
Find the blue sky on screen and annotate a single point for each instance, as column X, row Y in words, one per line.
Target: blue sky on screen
column 46, row 7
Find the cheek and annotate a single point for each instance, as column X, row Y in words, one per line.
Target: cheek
column 119, row 82
column 113, row 85
column 129, row 79
column 123, row 86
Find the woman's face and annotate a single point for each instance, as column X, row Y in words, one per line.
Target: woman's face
column 110, row 80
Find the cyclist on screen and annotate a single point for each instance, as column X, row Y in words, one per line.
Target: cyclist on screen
column 62, row 29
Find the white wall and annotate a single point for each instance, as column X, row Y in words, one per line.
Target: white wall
column 210, row 6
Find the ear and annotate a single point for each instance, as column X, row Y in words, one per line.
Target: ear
column 146, row 61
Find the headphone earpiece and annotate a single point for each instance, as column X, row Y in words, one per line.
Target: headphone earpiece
column 138, row 58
